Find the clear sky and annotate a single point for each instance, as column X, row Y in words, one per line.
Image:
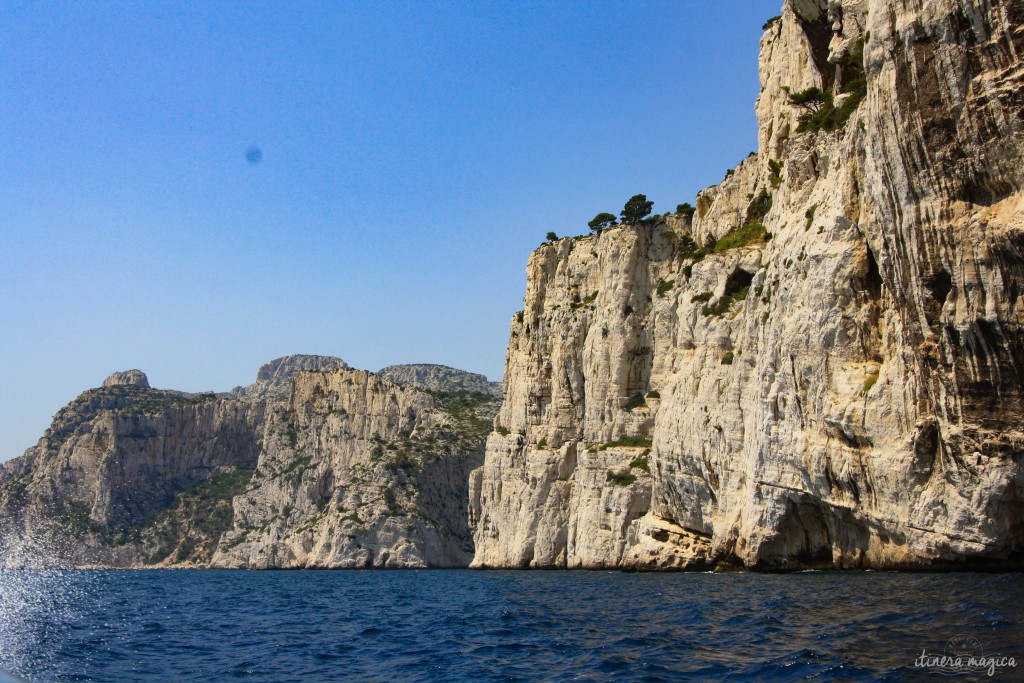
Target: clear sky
column 412, row 155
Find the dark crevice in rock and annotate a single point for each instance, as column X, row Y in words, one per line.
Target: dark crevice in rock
column 873, row 278
column 939, row 284
column 819, row 35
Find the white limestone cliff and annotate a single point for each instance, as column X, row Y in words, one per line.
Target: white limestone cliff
column 845, row 390
column 358, row 472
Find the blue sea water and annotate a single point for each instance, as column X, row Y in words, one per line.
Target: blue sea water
column 464, row 625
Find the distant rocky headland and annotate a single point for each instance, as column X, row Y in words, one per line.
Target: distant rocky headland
column 312, row 465
column 820, row 363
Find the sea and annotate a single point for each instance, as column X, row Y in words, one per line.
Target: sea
column 463, row 625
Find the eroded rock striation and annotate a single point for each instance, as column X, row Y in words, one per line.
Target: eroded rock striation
column 824, row 366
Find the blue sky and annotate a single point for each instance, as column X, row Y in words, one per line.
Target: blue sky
column 413, row 154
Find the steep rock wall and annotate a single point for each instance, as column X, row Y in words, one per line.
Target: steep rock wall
column 357, row 472
column 114, row 458
column 843, row 391
column 274, row 378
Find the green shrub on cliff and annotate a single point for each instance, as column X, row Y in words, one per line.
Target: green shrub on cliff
column 578, row 303
column 723, row 304
column 637, row 401
column 624, row 442
column 601, row 221
column 810, row 100
column 620, row 478
column 686, row 209
column 751, row 232
column 809, row 215
column 775, row 172
column 689, row 249
column 636, row 209
column 759, row 206
column 820, row 110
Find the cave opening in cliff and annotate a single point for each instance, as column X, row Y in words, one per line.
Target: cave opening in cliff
column 737, row 281
column 939, row 284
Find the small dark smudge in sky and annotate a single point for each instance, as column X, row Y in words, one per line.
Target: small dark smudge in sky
column 254, row 155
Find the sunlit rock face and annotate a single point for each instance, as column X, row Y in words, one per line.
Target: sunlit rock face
column 837, row 383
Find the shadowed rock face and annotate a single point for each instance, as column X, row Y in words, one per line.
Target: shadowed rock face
column 846, row 393
column 117, row 458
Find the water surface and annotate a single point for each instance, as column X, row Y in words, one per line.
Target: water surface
column 498, row 626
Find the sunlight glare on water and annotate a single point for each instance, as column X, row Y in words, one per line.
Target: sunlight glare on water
column 37, row 604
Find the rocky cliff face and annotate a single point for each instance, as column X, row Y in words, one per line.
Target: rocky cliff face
column 128, row 475
column 824, row 366
column 117, row 458
column 358, row 471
